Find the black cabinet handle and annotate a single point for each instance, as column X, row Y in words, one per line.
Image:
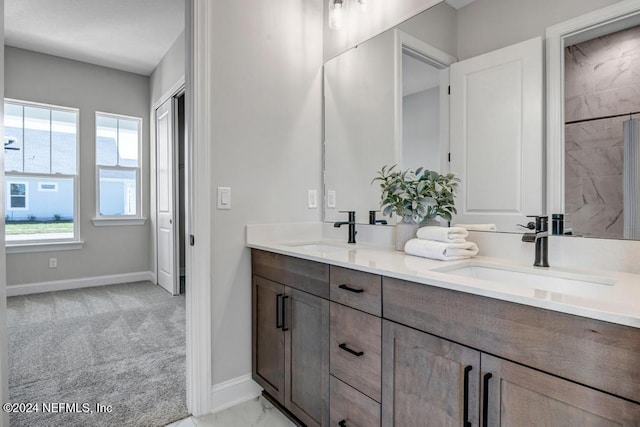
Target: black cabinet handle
column 350, row 289
column 355, row 353
column 278, row 312
column 342, row 423
column 284, row 313
column 485, row 399
column 465, row 408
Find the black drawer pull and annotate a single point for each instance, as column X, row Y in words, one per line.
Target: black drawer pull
column 485, row 400
column 355, row 353
column 342, row 423
column 465, row 408
column 350, row 289
column 278, row 312
column 284, row 313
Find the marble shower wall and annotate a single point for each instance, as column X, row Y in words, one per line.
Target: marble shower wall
column 602, row 78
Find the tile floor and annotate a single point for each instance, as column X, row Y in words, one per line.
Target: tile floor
column 257, row 412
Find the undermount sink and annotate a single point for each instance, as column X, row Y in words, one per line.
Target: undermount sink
column 319, row 247
column 545, row 280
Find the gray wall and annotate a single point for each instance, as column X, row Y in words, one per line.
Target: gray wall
column 266, row 94
column 36, row 77
column 421, row 130
column 487, row 25
column 170, row 70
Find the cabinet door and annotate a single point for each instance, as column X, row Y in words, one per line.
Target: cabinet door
column 514, row 395
column 306, row 326
column 268, row 339
column 427, row 380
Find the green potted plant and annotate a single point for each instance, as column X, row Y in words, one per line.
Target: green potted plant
column 415, row 197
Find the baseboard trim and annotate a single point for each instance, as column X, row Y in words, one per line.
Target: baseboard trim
column 82, row 282
column 233, row 392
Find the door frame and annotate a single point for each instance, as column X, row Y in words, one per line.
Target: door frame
column 585, row 27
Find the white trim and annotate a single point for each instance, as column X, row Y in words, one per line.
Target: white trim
column 116, row 222
column 23, row 248
column 198, row 218
column 176, row 89
column 83, row 282
column 233, row 392
column 556, row 36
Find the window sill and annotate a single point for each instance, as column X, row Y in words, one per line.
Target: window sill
column 23, row 248
column 115, row 222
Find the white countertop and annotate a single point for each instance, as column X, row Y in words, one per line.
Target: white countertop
column 615, row 301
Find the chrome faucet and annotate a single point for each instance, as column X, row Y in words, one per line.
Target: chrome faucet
column 351, row 223
column 540, row 237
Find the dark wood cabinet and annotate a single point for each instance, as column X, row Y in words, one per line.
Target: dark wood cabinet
column 407, row 354
column 427, row 380
column 290, row 348
column 268, row 338
column 519, row 396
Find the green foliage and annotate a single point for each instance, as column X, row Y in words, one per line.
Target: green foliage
column 32, row 218
column 57, row 217
column 417, row 195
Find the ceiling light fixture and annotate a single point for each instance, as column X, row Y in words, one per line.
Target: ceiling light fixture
column 336, row 14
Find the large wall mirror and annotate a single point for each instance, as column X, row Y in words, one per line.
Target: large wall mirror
column 386, row 103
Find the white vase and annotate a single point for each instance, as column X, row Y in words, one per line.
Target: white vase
column 405, row 231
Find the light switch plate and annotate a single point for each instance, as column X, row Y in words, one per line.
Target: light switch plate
column 224, row 198
column 331, row 199
column 312, row 199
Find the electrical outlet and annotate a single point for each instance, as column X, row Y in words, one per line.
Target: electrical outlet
column 53, row 262
column 312, row 199
column 331, row 199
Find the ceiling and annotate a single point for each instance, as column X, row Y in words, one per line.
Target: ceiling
column 129, row 35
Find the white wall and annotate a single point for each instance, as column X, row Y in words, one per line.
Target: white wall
column 487, row 25
column 359, row 27
column 436, row 26
column 36, row 77
column 266, row 95
column 421, row 130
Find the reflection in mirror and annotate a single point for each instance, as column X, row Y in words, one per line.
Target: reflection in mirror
column 602, row 164
column 385, row 103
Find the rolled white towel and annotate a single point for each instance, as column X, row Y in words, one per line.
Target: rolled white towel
column 478, row 227
column 441, row 250
column 443, row 234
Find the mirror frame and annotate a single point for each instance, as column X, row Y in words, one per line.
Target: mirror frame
column 588, row 26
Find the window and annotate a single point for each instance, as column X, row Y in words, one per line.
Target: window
column 44, row 157
column 17, row 195
column 118, row 166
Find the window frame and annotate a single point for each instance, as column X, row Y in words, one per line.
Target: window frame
column 10, row 196
column 38, row 245
column 108, row 220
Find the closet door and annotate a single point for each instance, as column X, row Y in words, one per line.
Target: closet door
column 496, row 135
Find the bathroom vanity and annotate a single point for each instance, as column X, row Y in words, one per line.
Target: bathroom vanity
column 371, row 336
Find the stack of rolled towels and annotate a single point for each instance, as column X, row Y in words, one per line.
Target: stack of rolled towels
column 442, row 243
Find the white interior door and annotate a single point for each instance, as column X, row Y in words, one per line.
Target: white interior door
column 496, row 135
column 166, row 210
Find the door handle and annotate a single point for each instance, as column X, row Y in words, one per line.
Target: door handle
column 284, row 313
column 465, row 408
column 278, row 312
column 485, row 399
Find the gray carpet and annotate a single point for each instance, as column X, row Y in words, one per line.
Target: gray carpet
column 120, row 345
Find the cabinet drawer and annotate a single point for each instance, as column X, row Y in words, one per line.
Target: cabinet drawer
column 301, row 274
column 355, row 349
column 356, row 289
column 352, row 407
